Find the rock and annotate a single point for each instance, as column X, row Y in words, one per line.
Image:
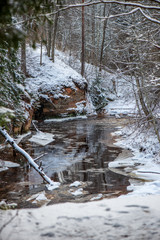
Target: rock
column 70, row 102
column 24, row 125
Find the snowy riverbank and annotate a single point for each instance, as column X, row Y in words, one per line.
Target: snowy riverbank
column 131, row 218
column 144, row 162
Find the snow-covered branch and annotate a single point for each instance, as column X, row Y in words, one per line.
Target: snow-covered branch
column 90, row 3
column 148, row 17
column 31, row 161
column 119, row 15
column 131, row 12
column 133, row 4
column 138, row 6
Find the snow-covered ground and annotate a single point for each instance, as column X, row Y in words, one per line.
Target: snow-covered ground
column 123, row 218
column 144, row 162
column 50, row 77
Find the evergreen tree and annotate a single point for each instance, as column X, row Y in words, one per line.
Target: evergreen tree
column 98, row 93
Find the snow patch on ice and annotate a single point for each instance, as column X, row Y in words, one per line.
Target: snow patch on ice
column 19, row 138
column 98, row 197
column 38, row 197
column 77, row 192
column 53, row 186
column 75, row 184
column 42, row 138
column 65, row 119
column 5, row 165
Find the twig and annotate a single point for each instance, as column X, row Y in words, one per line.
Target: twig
column 35, row 127
column 37, row 158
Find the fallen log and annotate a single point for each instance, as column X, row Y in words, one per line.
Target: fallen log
column 31, row 161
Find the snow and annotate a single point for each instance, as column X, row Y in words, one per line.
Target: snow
column 42, row 138
column 50, row 77
column 98, row 197
column 53, row 186
column 38, row 197
column 119, row 218
column 5, row 205
column 149, row 188
column 75, row 184
column 4, row 110
column 77, row 192
column 80, row 106
column 19, row 138
column 144, row 160
column 4, row 165
column 65, row 119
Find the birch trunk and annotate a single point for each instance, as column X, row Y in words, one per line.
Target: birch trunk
column 11, row 141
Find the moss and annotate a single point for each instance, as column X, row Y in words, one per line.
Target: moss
column 5, row 206
column 9, row 119
column 5, row 120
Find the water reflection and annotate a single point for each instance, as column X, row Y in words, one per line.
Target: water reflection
column 81, row 151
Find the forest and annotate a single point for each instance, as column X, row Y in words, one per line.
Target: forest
column 116, row 36
column 80, row 101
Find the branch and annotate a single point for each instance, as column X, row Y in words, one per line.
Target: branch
column 148, row 17
column 26, row 155
column 90, row 3
column 133, row 4
column 117, row 2
column 42, row 155
column 119, row 15
column 131, row 12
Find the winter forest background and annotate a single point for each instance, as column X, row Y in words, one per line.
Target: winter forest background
column 119, row 37
column 80, row 93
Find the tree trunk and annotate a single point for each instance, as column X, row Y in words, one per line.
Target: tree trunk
column 23, row 57
column 93, row 55
column 54, row 36
column 49, row 36
column 83, row 42
column 103, row 37
column 41, row 51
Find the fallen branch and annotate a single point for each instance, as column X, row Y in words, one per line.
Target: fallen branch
column 39, row 169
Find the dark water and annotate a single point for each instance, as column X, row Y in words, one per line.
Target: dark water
column 81, row 152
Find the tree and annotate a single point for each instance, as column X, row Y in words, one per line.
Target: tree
column 83, row 43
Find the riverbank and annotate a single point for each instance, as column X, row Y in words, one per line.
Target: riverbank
column 120, row 218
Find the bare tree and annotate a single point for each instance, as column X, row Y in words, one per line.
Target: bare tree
column 83, row 43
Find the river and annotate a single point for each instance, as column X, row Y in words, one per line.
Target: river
column 81, row 152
